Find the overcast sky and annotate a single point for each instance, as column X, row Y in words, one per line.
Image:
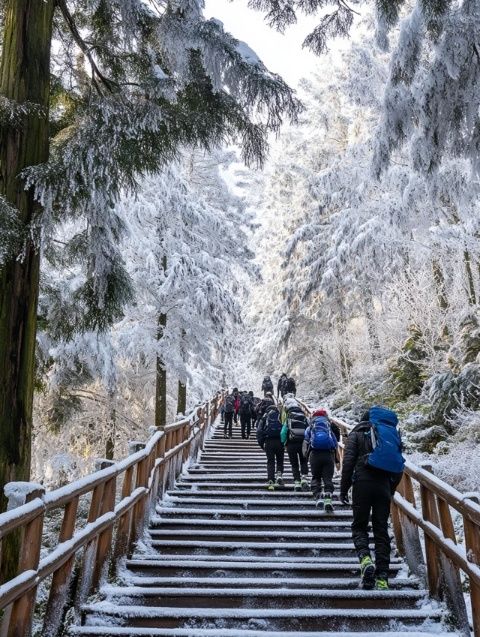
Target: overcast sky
column 282, row 54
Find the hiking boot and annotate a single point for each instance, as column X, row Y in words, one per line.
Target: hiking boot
column 304, row 483
column 381, row 584
column 297, row 485
column 225, row 436
column 320, row 503
column 271, row 485
column 328, row 503
column 367, row 572
column 279, row 480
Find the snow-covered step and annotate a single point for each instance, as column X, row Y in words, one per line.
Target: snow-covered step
column 276, row 502
column 249, row 487
column 247, row 568
column 309, row 537
column 226, row 597
column 252, row 525
column 337, row 619
column 182, row 547
column 120, row 631
column 273, row 559
column 252, row 513
column 264, row 582
column 242, row 495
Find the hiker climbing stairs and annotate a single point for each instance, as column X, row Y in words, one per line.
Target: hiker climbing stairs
column 225, row 557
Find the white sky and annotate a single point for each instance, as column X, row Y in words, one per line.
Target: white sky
column 281, row 54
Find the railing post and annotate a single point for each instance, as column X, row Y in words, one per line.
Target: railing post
column 430, row 514
column 17, row 620
column 59, row 589
column 472, row 545
column 451, row 574
column 90, row 551
column 105, row 538
column 124, row 523
column 141, row 477
column 410, row 532
column 161, row 472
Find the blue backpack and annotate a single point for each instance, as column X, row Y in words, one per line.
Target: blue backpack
column 321, row 437
column 386, row 441
column 273, row 426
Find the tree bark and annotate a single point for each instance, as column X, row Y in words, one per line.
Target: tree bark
column 24, row 77
column 161, row 372
column 181, row 398
column 472, row 298
column 372, row 331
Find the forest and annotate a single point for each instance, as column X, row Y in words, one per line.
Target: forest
column 176, row 218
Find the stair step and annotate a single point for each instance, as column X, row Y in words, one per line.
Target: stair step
column 257, row 514
column 265, row 582
column 251, row 525
column 91, row 631
column 248, row 568
column 310, row 537
column 182, row 547
column 285, row 618
column 248, row 597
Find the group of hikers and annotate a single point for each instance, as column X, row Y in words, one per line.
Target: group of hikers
column 371, row 468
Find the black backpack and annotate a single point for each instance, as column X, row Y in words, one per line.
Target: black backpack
column 245, row 404
column 297, row 423
column 273, row 426
column 229, row 404
column 289, row 386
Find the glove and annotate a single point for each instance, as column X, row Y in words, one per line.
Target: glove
column 344, row 498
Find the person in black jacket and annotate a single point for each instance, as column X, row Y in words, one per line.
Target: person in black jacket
column 371, row 494
column 263, row 406
column 290, row 387
column 268, row 437
column 281, row 386
column 267, row 385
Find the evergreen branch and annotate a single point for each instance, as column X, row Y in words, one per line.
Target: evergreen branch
column 109, row 84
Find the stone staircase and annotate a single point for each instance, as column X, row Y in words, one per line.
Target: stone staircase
column 224, row 557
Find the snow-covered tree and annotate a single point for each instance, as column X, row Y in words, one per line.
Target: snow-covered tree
column 186, row 253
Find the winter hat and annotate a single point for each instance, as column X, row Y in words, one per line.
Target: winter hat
column 320, row 412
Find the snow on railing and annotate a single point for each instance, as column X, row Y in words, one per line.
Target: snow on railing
column 111, row 528
column 423, row 502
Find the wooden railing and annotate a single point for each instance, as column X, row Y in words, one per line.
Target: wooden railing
column 120, row 498
column 422, row 510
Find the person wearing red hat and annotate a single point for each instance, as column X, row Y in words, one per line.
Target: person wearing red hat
column 321, row 440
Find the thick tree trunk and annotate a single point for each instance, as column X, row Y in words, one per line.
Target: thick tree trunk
column 24, row 77
column 181, row 398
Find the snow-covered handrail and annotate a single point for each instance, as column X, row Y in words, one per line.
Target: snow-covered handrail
column 115, row 521
column 424, row 502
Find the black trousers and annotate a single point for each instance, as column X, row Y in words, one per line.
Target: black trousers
column 246, row 424
column 297, row 459
column 372, row 497
column 228, row 423
column 322, row 465
column 275, row 452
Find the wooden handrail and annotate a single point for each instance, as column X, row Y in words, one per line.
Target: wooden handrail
column 111, row 525
column 424, row 502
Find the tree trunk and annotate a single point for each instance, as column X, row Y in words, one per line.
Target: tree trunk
column 110, row 442
column 161, row 381
column 345, row 361
column 182, row 398
column 472, row 298
column 372, row 331
column 161, row 371
column 24, row 77
column 439, row 279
